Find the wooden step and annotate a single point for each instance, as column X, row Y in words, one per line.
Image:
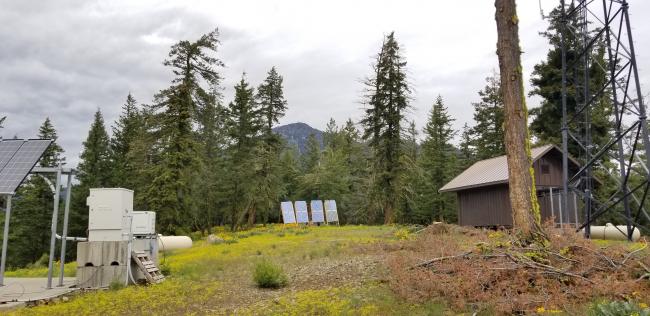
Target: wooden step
column 147, row 267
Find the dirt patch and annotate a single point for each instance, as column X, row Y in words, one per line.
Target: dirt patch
column 327, row 272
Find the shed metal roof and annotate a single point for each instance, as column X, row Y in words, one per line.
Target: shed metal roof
column 490, row 171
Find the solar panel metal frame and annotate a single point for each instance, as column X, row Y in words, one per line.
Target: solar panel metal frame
column 23, row 160
column 302, row 214
column 331, row 213
column 288, row 214
column 317, row 211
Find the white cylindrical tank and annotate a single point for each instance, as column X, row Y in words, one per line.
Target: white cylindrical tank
column 166, row 243
column 611, row 232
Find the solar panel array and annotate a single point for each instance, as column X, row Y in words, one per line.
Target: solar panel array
column 17, row 158
column 300, row 214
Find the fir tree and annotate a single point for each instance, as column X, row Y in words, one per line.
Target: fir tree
column 271, row 105
column 32, row 209
column 547, row 84
column 488, row 115
column 330, row 133
column 387, row 99
column 94, row 170
column 270, row 97
column 312, row 155
column 176, row 108
column 438, row 164
column 243, row 124
column 467, row 152
column 53, row 155
column 124, row 133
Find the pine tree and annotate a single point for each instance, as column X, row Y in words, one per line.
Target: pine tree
column 488, row 115
column 124, row 133
column 438, row 164
column 387, row 99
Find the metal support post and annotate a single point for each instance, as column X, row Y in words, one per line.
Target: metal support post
column 55, row 215
column 5, row 237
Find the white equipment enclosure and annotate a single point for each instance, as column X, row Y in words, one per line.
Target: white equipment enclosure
column 109, row 217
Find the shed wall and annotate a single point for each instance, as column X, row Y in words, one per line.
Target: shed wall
column 553, row 177
column 485, row 206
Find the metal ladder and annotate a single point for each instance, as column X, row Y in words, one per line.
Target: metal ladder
column 148, row 267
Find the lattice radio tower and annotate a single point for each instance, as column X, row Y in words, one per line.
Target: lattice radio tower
column 604, row 24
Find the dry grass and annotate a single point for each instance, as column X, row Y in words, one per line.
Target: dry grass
column 477, row 270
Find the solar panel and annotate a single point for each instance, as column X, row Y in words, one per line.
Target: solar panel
column 21, row 163
column 317, row 214
column 302, row 215
column 288, row 216
column 7, row 150
column 331, row 213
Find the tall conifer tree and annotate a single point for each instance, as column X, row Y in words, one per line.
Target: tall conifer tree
column 32, row 210
column 387, row 99
column 488, row 114
column 271, row 105
column 176, row 108
column 124, row 133
column 243, row 124
column 438, row 162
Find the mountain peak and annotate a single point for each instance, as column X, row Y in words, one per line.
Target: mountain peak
column 298, row 133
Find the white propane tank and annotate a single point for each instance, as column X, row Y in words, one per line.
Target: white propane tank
column 611, row 232
column 166, row 243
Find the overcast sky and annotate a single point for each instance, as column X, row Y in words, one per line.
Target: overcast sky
column 65, row 59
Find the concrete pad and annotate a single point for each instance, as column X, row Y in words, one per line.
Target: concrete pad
column 18, row 290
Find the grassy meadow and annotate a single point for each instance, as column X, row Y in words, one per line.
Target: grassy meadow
column 332, row 270
column 329, row 270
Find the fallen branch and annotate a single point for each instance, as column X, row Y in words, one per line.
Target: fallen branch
column 628, row 256
column 434, row 260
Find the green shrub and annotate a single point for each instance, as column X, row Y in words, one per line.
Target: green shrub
column 619, row 308
column 116, row 285
column 164, row 268
column 269, row 275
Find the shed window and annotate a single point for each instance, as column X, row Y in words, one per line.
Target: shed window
column 545, row 169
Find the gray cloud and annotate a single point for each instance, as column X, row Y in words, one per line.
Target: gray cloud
column 65, row 59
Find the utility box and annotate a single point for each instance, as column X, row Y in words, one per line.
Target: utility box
column 110, row 211
column 144, row 223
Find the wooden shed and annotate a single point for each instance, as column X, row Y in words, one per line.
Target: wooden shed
column 483, row 196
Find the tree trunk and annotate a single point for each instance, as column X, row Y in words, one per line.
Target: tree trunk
column 523, row 198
